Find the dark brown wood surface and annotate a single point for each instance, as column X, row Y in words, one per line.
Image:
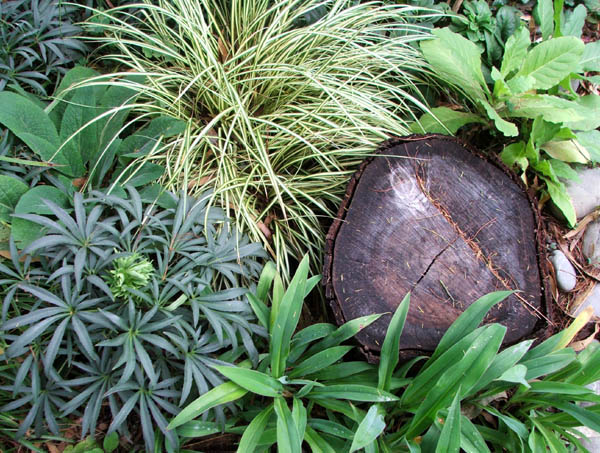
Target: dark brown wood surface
column 430, row 217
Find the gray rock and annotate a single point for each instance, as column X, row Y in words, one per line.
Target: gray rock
column 591, row 443
column 592, row 299
column 565, row 273
column 585, row 193
column 591, row 243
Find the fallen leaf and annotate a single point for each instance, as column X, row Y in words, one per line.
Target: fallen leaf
column 582, row 224
column 582, row 344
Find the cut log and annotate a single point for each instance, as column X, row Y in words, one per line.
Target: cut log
column 429, row 217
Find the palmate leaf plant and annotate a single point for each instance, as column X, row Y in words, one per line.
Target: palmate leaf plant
column 468, row 395
column 39, row 42
column 86, row 339
column 282, row 100
column 532, row 100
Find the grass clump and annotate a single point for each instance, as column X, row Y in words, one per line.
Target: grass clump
column 280, row 108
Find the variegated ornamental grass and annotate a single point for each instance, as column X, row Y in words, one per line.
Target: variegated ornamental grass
column 280, row 109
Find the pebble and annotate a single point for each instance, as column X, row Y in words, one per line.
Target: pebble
column 585, row 193
column 591, row 243
column 564, row 271
column 591, row 299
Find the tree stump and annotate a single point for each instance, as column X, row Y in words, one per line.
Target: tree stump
column 429, row 217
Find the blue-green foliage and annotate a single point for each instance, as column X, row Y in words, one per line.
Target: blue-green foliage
column 38, row 42
column 85, row 340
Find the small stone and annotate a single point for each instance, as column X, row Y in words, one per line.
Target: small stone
column 585, row 193
column 592, row 299
column 565, row 273
column 591, row 243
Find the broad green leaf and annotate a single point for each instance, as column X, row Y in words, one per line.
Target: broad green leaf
column 34, row 200
column 253, row 432
column 287, row 319
column 590, row 140
column 515, row 51
column 515, row 374
column 590, row 60
column 543, row 131
column 575, row 21
column 251, row 380
column 73, row 76
column 316, row 442
column 443, row 120
column 11, row 190
column 545, row 13
column 300, row 416
column 343, row 407
column 509, row 420
column 471, row 440
column 449, row 441
column 303, row 338
column 31, row 124
column 457, row 61
column 319, row 361
column 467, row 322
column 278, row 292
column 587, row 417
column 224, row 393
column 288, row 439
column 520, row 84
column 342, row 370
column 143, row 141
column 590, row 366
column 560, row 388
column 138, row 175
column 551, row 108
column 264, row 282
column 388, row 358
column 545, row 168
column 536, row 442
column 548, row 364
column 501, row 89
column 353, row 393
column 24, row 231
column 553, row 442
column 371, row 426
column 506, row 127
column 463, row 375
column 343, row 333
column 501, row 363
column 433, row 370
column 567, row 151
column 332, row 428
column 588, row 113
column 80, row 139
column 561, row 199
column 514, row 154
column 260, row 310
column 111, row 442
column 198, row 428
column 551, row 61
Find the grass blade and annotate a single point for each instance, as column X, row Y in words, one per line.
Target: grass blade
column 391, row 345
column 371, row 426
column 253, row 381
column 254, row 431
column 224, row 393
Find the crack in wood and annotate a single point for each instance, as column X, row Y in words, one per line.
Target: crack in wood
column 431, row 264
